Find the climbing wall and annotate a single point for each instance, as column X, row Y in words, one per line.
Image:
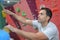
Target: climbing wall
column 54, row 6
column 26, row 9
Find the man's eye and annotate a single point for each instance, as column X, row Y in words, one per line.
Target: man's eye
column 41, row 13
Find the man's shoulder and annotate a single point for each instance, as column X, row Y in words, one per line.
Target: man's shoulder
column 52, row 26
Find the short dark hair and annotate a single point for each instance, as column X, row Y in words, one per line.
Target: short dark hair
column 48, row 12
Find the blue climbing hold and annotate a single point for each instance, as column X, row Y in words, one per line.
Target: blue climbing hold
column 4, row 35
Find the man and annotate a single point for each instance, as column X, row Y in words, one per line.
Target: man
column 46, row 29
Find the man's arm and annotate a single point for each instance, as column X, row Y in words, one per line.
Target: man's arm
column 29, row 35
column 19, row 18
column 32, row 36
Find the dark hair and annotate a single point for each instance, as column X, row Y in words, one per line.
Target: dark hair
column 48, row 12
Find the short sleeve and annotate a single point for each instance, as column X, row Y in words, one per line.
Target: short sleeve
column 35, row 23
column 50, row 33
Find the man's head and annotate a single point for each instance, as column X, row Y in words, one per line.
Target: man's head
column 45, row 15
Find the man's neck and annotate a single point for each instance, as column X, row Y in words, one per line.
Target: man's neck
column 44, row 24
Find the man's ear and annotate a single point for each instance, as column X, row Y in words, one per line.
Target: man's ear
column 48, row 17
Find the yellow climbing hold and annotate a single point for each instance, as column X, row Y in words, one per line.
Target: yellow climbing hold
column 6, row 29
column 3, row 14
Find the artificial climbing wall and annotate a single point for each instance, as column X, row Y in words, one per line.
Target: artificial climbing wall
column 54, row 6
column 26, row 9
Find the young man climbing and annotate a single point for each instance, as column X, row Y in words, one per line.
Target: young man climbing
column 46, row 29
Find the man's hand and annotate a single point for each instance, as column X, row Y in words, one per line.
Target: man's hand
column 11, row 28
column 8, row 12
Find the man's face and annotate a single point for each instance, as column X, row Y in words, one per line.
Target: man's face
column 42, row 17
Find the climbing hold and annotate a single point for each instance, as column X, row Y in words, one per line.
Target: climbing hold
column 18, row 10
column 3, row 14
column 6, row 29
column 23, row 14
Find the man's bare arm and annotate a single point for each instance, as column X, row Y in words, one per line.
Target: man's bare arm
column 19, row 18
column 32, row 36
column 28, row 35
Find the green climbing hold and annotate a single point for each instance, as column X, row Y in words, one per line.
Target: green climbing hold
column 23, row 14
column 18, row 9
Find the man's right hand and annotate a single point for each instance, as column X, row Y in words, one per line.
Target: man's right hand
column 8, row 12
